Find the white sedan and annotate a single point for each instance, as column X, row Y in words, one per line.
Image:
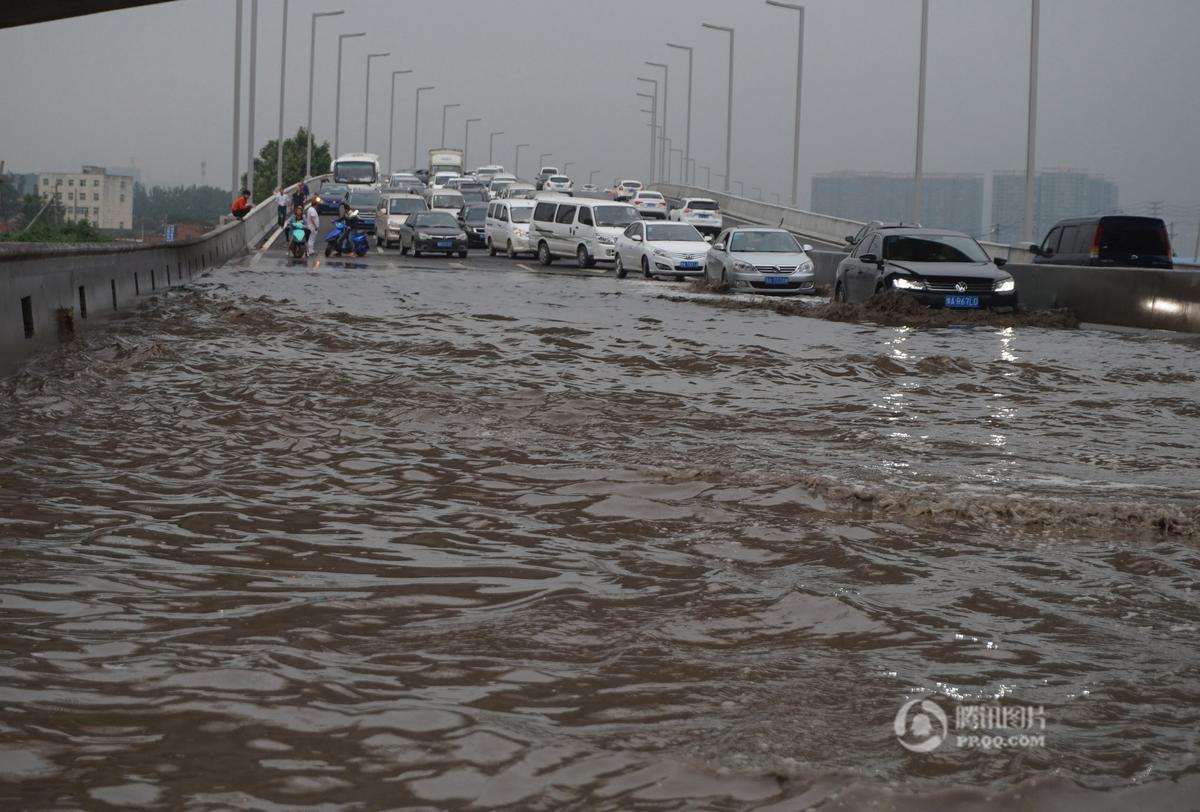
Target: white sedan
column 661, row 249
column 650, row 204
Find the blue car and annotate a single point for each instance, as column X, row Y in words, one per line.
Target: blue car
column 332, row 195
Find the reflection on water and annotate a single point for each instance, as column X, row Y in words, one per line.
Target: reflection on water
column 447, row 539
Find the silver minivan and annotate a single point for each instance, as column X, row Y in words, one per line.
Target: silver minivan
column 584, row 229
column 507, row 227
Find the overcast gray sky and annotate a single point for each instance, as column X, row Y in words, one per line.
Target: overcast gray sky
column 1118, row 85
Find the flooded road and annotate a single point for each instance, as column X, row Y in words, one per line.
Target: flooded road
column 447, row 536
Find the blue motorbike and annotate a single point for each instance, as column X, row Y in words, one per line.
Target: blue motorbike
column 346, row 239
column 298, row 240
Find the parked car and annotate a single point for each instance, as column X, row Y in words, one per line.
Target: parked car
column 585, row 229
column 668, row 249
column 939, row 268
column 760, row 260
column 432, row 232
column 1110, row 240
column 626, row 189
column 507, row 227
column 701, row 212
column 331, row 197
column 446, row 200
column 366, row 201
column 393, row 211
column 873, row 226
column 540, row 179
column 518, row 191
column 472, row 219
column 559, row 183
column 650, row 204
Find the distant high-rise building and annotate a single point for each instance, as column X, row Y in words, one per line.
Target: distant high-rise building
column 1058, row 194
column 948, row 200
column 93, row 194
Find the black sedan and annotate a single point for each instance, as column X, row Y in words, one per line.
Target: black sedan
column 331, row 195
column 472, row 219
column 939, row 268
column 432, row 232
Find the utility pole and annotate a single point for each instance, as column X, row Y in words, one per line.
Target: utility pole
column 367, row 102
column 237, row 95
column 918, row 173
column 392, row 119
column 799, row 85
column 687, row 137
column 1031, row 137
column 467, row 140
column 282, row 96
column 312, row 62
column 664, row 156
column 492, row 147
column 729, row 104
column 253, row 82
column 654, row 171
column 417, row 121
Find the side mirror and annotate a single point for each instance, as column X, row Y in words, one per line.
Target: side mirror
column 1037, row 250
column 636, row 238
column 849, row 239
column 869, row 259
column 719, row 247
column 806, row 248
column 1000, row 262
column 708, row 238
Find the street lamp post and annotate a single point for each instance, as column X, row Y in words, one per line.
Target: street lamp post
column 312, row 62
column 741, row 187
column 337, row 107
column 367, row 105
column 417, row 123
column 392, row 119
column 517, row 160
column 1031, row 137
column 757, row 192
column 592, row 175
column 729, row 111
column 567, row 166
column 237, row 93
column 653, row 131
column 664, row 155
column 542, row 159
column 653, row 128
column 664, row 146
column 445, row 109
column 707, row 176
column 492, row 146
column 282, row 96
column 680, row 151
column 918, row 172
column 687, row 138
column 799, row 85
column 250, row 99
column 467, row 139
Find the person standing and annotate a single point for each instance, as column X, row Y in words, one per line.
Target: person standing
column 281, row 202
column 312, row 221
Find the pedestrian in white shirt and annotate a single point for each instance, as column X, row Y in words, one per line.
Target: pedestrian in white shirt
column 281, row 202
column 312, row 220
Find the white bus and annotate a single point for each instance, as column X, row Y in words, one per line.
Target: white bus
column 356, row 170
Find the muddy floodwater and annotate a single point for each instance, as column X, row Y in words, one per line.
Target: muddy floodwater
column 451, row 537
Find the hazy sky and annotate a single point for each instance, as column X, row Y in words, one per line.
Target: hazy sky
column 1118, row 92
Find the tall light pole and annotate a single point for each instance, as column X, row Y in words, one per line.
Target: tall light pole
column 367, row 104
column 417, row 123
column 707, row 176
column 337, row 107
column 467, row 139
column 918, row 173
column 729, row 111
column 250, row 100
column 799, row 86
column 664, row 145
column 542, row 159
column 312, row 62
column 567, row 166
column 446, row 108
column 517, row 160
column 492, row 146
column 282, row 96
column 687, row 138
column 1031, row 138
column 237, row 95
column 392, row 119
column 663, row 154
column 592, row 176
column 756, row 191
column 680, row 151
column 741, row 187
column 654, row 169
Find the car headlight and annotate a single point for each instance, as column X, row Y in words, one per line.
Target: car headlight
column 904, row 283
column 743, row 267
column 805, row 267
column 658, row 252
column 606, row 240
column 1005, row 286
column 421, row 236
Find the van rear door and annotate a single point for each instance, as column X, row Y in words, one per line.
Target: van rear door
column 1133, row 242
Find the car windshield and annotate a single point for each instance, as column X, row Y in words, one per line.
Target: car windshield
column 615, row 216
column 672, row 232
column 447, row 201
column 402, row 205
column 702, row 205
column 560, row 179
column 764, row 242
column 333, row 190
column 436, row 219
column 501, row 185
column 549, row 170
column 363, row 200
column 649, row 196
column 354, row 172
column 476, row 214
column 932, row 248
column 522, row 214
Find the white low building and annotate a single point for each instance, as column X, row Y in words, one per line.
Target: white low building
column 102, row 199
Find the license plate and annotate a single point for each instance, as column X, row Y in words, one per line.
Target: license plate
column 962, row 301
column 777, row 281
column 689, row 265
column 444, row 243
column 704, row 216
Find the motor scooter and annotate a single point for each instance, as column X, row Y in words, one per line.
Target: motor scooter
column 345, row 239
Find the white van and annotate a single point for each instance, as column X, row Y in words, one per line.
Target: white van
column 507, row 227
column 445, row 200
column 584, row 229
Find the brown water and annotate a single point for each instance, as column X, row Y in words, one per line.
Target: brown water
column 384, row 538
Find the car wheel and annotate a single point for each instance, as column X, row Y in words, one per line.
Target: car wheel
column 620, row 266
column 646, row 268
column 839, row 293
column 582, row 259
column 491, row 248
column 508, row 250
column 724, row 281
column 328, row 250
column 543, row 254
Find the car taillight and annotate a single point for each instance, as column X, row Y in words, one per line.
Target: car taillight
column 1096, row 242
column 687, row 211
column 1167, row 241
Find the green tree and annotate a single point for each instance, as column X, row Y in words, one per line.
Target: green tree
column 294, row 161
column 154, row 207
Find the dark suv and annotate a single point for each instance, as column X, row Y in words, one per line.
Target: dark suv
column 1113, row 240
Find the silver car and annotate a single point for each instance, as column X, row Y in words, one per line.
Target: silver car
column 760, row 260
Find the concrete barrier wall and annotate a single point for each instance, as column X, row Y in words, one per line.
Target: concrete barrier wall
column 48, row 291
